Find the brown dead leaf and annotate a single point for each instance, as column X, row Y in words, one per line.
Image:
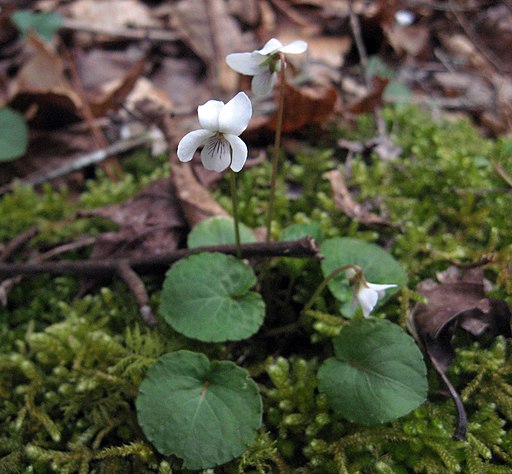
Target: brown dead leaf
column 196, row 202
column 117, row 91
column 412, row 40
column 456, row 300
column 42, row 87
column 305, row 106
column 345, row 202
column 208, row 29
column 150, row 223
column 247, row 10
column 326, row 57
column 373, row 98
column 109, row 16
column 183, row 81
column 384, row 12
column 466, row 51
column 474, row 90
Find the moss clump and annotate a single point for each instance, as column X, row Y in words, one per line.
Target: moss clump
column 70, row 369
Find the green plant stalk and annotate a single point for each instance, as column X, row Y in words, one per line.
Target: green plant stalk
column 234, row 202
column 277, row 145
column 326, row 281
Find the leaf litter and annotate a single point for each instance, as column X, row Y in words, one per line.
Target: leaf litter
column 457, row 301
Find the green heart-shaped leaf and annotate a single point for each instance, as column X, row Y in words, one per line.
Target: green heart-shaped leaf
column 206, row 413
column 378, row 373
column 378, row 267
column 13, row 135
column 217, row 231
column 208, row 297
column 45, row 24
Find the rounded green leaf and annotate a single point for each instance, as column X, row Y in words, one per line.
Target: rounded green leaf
column 297, row 231
column 378, row 373
column 13, row 135
column 378, row 267
column 206, row 413
column 208, row 297
column 217, row 231
column 45, row 24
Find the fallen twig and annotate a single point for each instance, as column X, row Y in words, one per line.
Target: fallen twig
column 80, row 162
column 11, row 247
column 149, row 34
column 502, row 173
column 302, row 248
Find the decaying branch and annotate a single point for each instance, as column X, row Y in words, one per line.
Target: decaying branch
column 302, row 248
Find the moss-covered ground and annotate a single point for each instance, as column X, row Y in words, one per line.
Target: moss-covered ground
column 70, row 368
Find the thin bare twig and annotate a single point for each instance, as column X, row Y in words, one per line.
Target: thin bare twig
column 302, row 248
column 80, row 162
column 358, row 38
column 10, row 247
column 149, row 34
column 75, row 245
column 502, row 173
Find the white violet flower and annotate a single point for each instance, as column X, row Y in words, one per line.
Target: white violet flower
column 365, row 293
column 264, row 63
column 222, row 123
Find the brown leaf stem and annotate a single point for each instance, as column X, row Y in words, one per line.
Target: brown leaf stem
column 136, row 286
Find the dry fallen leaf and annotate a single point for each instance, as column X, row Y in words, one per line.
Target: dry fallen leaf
column 42, row 89
column 305, row 106
column 372, row 99
column 208, row 29
column 150, row 223
column 196, row 202
column 112, row 15
column 457, row 300
column 117, row 91
column 413, row 40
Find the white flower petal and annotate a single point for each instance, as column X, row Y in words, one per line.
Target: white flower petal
column 378, row 287
column 367, row 298
column 297, row 47
column 262, row 84
column 271, row 46
column 235, row 115
column 239, row 152
column 404, row 17
column 216, row 154
column 191, row 142
column 245, row 63
column 208, row 114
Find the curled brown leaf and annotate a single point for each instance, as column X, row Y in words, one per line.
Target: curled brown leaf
column 457, row 300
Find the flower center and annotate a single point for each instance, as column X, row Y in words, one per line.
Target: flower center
column 273, row 61
column 217, row 146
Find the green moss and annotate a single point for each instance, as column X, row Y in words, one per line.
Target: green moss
column 70, row 368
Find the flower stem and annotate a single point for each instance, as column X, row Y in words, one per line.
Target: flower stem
column 234, row 202
column 277, row 144
column 329, row 277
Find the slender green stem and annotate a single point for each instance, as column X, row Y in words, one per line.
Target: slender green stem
column 277, row 144
column 234, row 202
column 329, row 277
